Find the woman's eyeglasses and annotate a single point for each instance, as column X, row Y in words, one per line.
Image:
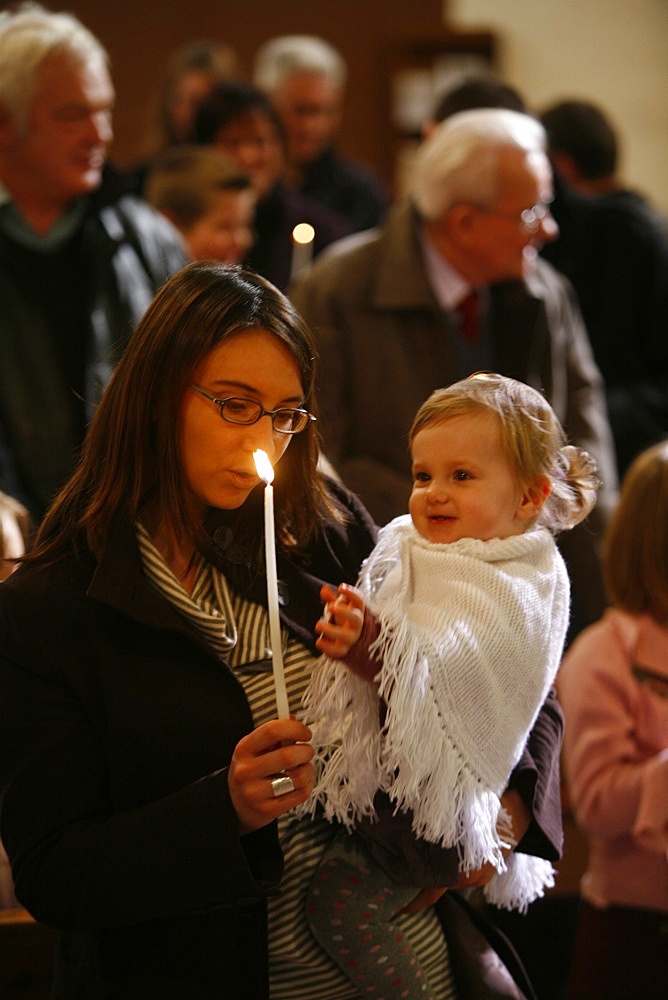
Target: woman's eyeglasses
column 239, row 410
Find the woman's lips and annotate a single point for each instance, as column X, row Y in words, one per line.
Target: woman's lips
column 246, row 480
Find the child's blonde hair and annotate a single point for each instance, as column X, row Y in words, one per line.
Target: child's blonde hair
column 635, row 557
column 533, row 439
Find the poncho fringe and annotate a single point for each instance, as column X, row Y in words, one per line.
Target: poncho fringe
column 461, row 692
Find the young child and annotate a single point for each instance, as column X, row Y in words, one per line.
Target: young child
column 613, row 685
column 453, row 638
column 208, row 198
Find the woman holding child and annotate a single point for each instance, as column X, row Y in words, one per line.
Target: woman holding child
column 139, row 744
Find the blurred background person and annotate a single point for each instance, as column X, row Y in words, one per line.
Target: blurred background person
column 208, row 198
column 613, row 246
column 79, row 261
column 240, row 121
column 585, row 148
column 305, row 78
column 484, row 90
column 190, row 75
column 613, row 685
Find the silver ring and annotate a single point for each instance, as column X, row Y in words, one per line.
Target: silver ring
column 282, row 785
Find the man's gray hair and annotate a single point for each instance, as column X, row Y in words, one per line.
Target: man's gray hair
column 28, row 35
column 280, row 57
column 459, row 162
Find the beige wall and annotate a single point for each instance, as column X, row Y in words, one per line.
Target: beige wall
column 613, row 52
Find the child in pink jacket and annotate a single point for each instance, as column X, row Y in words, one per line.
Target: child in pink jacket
column 613, row 685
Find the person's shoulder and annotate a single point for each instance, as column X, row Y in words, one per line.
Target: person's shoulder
column 37, row 590
column 349, row 188
column 630, row 223
column 120, row 207
column 158, row 245
column 135, row 213
column 601, row 641
column 393, row 238
column 378, row 268
column 346, row 540
column 340, row 269
column 351, row 250
column 354, row 512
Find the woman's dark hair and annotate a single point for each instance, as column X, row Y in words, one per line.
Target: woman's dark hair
column 228, row 102
column 131, row 451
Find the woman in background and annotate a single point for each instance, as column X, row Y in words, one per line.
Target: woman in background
column 239, row 121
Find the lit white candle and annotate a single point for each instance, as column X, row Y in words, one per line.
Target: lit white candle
column 266, row 473
column 302, row 249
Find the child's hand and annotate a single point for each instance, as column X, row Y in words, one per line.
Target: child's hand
column 341, row 624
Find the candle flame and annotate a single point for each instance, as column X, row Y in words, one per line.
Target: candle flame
column 303, row 233
column 263, row 466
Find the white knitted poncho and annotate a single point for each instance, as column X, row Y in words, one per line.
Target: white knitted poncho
column 471, row 635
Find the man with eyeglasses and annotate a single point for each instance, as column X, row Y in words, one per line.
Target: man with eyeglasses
column 452, row 284
column 79, row 260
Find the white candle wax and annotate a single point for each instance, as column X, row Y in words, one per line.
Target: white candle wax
column 266, row 473
column 302, row 249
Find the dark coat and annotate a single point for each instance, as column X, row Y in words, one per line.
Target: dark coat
column 117, row 724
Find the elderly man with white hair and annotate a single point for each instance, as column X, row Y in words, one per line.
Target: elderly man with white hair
column 305, row 77
column 79, row 260
column 452, row 284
